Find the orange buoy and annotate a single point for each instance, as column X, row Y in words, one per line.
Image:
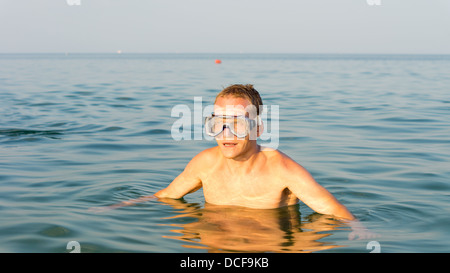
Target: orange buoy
column 218, row 61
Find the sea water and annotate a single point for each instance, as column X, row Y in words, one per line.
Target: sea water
column 88, row 130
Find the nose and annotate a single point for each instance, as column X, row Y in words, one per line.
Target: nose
column 227, row 134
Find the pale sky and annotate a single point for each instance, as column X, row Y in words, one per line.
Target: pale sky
column 225, row 26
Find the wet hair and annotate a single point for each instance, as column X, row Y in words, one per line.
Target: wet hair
column 243, row 91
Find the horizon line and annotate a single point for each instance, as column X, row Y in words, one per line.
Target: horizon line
column 234, row 53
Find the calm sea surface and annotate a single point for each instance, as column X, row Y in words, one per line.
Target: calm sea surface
column 88, row 130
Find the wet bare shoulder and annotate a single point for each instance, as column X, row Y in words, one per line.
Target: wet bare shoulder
column 203, row 162
column 287, row 168
column 208, row 156
column 277, row 157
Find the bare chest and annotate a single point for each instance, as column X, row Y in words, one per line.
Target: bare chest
column 261, row 191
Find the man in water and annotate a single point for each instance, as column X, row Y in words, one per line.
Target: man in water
column 239, row 172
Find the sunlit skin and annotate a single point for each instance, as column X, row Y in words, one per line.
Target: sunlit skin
column 239, row 172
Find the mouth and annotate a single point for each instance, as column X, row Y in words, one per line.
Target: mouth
column 229, row 144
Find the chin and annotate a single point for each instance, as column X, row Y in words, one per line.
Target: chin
column 230, row 152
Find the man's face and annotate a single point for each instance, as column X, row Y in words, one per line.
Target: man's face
column 231, row 146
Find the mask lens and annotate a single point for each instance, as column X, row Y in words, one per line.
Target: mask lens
column 217, row 125
column 213, row 126
column 240, row 126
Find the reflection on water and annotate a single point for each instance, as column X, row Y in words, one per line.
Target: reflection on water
column 238, row 229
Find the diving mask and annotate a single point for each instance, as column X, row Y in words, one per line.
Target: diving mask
column 239, row 126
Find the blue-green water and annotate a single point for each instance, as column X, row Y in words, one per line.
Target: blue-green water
column 89, row 130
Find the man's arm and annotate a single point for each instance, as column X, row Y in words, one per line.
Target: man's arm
column 302, row 184
column 304, row 187
column 188, row 181
column 122, row 204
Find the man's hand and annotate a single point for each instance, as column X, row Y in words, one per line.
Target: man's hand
column 121, row 204
column 360, row 232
